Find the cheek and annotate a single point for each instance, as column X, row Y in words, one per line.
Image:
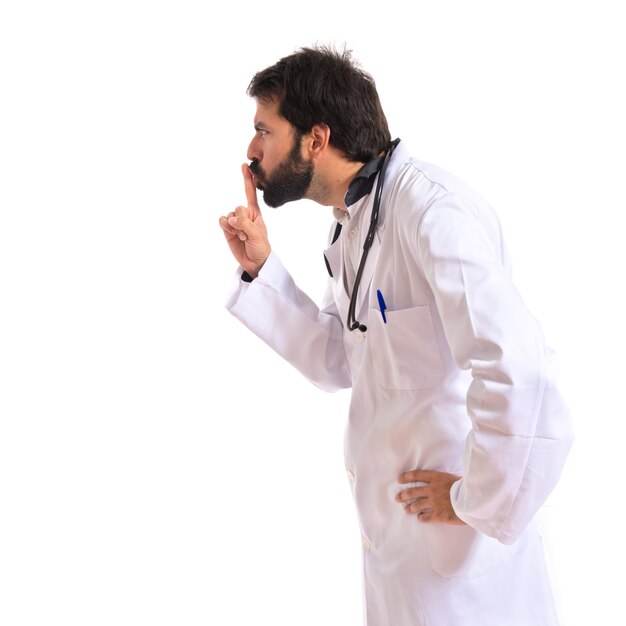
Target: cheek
column 269, row 165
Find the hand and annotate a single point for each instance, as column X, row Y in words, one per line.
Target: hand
column 245, row 230
column 431, row 502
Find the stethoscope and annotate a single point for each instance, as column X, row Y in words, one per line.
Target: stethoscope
column 353, row 324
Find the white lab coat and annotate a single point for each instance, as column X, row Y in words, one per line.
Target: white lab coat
column 458, row 380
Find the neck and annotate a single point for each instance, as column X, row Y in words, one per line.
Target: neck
column 330, row 184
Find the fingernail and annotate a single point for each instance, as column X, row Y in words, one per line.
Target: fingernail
column 232, row 221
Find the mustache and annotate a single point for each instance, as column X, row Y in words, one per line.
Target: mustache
column 255, row 168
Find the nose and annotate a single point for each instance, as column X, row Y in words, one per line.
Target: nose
column 254, row 153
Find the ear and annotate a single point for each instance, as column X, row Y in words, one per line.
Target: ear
column 316, row 142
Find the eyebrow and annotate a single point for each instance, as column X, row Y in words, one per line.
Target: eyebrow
column 260, row 126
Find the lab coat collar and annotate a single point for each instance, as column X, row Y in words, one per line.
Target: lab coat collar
column 399, row 157
column 363, row 182
column 361, row 187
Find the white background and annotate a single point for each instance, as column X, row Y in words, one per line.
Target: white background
column 158, row 464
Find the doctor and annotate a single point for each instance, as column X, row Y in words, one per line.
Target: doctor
column 456, row 433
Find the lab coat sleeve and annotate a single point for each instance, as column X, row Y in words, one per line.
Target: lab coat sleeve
column 285, row 318
column 521, row 432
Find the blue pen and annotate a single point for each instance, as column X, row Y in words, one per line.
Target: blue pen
column 381, row 304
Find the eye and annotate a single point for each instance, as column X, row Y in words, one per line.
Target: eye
column 262, row 131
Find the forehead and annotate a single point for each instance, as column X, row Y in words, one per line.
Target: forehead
column 267, row 113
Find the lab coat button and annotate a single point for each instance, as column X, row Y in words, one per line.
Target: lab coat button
column 359, row 336
column 350, row 474
column 366, row 544
column 353, row 233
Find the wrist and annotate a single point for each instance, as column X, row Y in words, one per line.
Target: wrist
column 250, row 273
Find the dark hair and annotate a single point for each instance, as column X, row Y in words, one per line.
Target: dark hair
column 322, row 86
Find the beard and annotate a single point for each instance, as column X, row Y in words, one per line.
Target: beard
column 290, row 180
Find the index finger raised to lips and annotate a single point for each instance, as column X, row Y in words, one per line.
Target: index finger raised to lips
column 250, row 187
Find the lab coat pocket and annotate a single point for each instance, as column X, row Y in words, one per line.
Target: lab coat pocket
column 462, row 551
column 405, row 353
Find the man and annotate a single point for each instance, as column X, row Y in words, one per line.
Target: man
column 456, row 433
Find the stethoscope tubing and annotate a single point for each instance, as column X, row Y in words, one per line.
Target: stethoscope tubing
column 353, row 323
